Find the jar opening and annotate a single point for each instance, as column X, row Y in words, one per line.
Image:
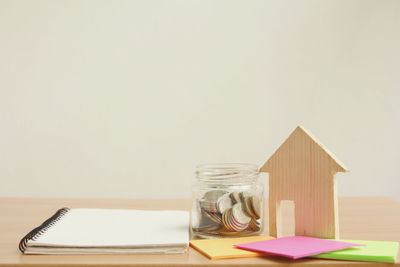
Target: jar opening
column 227, row 173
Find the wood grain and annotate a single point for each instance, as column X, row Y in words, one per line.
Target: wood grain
column 303, row 170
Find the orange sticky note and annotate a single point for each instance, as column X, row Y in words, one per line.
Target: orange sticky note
column 223, row 248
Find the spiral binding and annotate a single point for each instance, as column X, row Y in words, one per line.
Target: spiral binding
column 38, row 231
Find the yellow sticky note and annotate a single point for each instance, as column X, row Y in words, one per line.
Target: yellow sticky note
column 223, row 248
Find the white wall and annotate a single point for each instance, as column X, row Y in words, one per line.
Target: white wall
column 124, row 98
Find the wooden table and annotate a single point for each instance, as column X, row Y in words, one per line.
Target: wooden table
column 360, row 218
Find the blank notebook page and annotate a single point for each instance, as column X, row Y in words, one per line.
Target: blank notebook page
column 117, row 228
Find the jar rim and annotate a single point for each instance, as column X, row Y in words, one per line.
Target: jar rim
column 224, row 173
column 229, row 165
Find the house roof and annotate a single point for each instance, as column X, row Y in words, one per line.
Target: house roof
column 303, row 133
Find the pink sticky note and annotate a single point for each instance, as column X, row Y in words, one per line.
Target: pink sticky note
column 296, row 247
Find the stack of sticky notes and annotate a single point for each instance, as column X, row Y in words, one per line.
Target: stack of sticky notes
column 378, row 251
column 297, row 247
column 224, row 248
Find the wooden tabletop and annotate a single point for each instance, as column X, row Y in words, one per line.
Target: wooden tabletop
column 360, row 218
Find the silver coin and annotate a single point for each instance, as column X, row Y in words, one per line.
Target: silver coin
column 217, row 218
column 239, row 215
column 205, row 221
column 213, row 195
column 209, row 200
column 207, row 205
column 238, row 227
column 224, row 203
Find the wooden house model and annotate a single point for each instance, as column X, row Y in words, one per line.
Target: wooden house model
column 302, row 170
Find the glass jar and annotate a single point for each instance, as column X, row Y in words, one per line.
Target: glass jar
column 227, row 201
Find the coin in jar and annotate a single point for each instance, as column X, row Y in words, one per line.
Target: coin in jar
column 256, row 206
column 209, row 200
column 234, row 197
column 213, row 195
column 247, row 207
column 224, row 203
column 208, row 206
column 237, row 226
column 206, row 221
column 215, row 217
column 239, row 215
column 225, row 220
column 254, row 225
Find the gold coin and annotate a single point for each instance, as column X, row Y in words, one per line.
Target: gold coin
column 225, row 220
column 231, row 224
column 254, row 225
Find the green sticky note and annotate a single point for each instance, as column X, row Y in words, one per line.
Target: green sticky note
column 377, row 251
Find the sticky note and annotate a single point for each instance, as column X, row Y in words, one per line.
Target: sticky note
column 296, row 247
column 224, row 248
column 377, row 251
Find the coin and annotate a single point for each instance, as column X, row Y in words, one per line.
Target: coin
column 235, row 225
column 239, row 215
column 254, row 225
column 225, row 220
column 224, row 203
column 223, row 213
column 243, row 195
column 256, row 206
column 206, row 221
column 234, row 197
column 230, row 224
column 209, row 200
column 215, row 217
column 207, row 205
column 247, row 207
column 213, row 195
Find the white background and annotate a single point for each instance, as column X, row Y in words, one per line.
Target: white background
column 125, row 98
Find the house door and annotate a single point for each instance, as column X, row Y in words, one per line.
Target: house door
column 286, row 218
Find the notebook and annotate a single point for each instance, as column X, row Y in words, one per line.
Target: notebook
column 109, row 231
column 376, row 251
column 296, row 247
column 223, row 248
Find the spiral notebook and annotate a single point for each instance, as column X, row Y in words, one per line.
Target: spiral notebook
column 109, row 231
